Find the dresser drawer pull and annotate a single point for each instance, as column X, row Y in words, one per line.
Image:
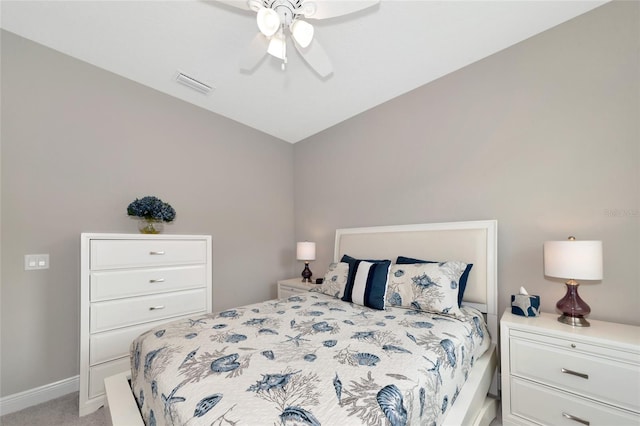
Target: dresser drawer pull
column 159, row 280
column 156, row 308
column 575, row 373
column 156, row 253
column 575, row 419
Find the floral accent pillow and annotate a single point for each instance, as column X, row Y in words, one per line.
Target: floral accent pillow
column 335, row 280
column 431, row 287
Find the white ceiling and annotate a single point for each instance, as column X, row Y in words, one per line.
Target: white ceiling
column 377, row 54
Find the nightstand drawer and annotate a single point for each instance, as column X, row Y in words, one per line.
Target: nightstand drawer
column 603, row 378
column 107, row 285
column 111, row 254
column 135, row 310
column 548, row 406
column 294, row 290
column 292, row 286
column 575, row 343
column 285, row 291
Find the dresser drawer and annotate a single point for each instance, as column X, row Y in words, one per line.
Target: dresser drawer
column 134, row 310
column 107, row 285
column 604, row 378
column 111, row 254
column 547, row 406
column 98, row 373
column 113, row 344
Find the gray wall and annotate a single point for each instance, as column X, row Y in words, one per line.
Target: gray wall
column 542, row 136
column 79, row 144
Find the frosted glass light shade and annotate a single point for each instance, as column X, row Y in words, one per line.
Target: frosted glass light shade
column 278, row 47
column 302, row 32
column 571, row 259
column 306, row 251
column 268, row 21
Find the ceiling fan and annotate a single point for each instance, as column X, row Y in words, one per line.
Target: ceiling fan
column 279, row 18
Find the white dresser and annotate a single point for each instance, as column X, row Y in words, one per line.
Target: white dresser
column 130, row 283
column 555, row 374
column 287, row 288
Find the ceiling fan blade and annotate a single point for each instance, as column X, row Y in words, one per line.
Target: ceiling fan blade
column 240, row 4
column 316, row 57
column 332, row 8
column 243, row 4
column 256, row 51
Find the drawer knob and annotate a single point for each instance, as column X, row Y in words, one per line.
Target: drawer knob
column 159, row 280
column 156, row 308
column 575, row 419
column 156, row 253
column 573, row 345
column 575, row 373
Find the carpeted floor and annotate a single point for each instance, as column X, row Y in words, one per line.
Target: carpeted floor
column 62, row 411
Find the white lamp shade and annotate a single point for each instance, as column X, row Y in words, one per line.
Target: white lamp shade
column 577, row 260
column 268, row 21
column 278, row 47
column 306, row 251
column 302, row 32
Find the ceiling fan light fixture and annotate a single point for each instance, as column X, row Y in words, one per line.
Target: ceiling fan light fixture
column 302, row 32
column 278, row 47
column 308, row 9
column 274, row 17
column 268, row 21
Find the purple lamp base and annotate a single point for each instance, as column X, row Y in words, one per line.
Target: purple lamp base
column 306, row 273
column 573, row 308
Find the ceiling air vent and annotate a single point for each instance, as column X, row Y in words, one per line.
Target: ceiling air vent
column 191, row 82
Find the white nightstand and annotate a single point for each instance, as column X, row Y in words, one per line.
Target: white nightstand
column 287, row 288
column 555, row 374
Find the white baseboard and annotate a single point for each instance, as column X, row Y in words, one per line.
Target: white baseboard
column 31, row 397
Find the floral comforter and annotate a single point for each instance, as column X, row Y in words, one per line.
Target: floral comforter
column 307, row 360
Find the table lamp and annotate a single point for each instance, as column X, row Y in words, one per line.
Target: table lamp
column 573, row 260
column 306, row 251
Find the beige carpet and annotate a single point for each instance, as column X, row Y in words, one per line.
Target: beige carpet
column 62, row 411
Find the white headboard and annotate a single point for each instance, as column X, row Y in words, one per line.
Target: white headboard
column 470, row 242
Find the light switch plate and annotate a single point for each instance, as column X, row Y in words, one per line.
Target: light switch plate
column 36, row 261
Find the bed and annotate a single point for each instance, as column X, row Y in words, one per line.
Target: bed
column 317, row 359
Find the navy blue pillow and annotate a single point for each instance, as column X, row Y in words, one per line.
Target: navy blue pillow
column 366, row 282
column 462, row 285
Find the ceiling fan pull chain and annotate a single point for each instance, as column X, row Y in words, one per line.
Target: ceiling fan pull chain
column 284, row 48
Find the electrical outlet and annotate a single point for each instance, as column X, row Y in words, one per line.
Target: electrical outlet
column 36, row 261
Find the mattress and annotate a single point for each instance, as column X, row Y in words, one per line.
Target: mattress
column 307, row 360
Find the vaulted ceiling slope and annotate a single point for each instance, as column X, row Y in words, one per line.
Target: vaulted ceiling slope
column 377, row 54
